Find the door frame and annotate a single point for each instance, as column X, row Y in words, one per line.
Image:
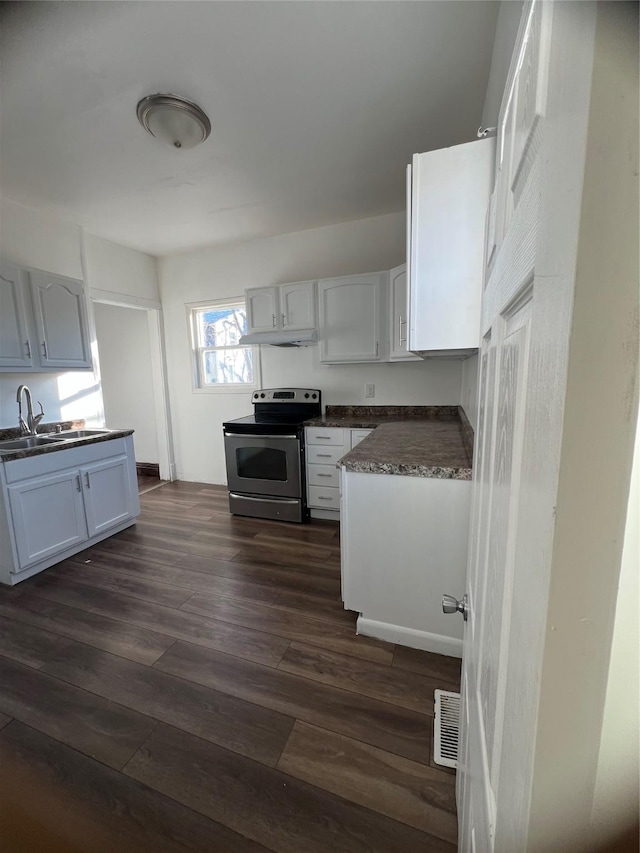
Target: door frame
column 162, row 411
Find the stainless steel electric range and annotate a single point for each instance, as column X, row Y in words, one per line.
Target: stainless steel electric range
column 265, row 454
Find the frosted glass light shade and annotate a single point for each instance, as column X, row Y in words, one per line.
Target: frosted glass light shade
column 173, row 120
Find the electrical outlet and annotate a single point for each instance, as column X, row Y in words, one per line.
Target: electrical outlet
column 369, row 390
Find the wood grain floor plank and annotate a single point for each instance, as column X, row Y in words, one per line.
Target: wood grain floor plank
column 80, row 799
column 125, row 548
column 293, row 626
column 237, row 725
column 253, row 645
column 183, row 578
column 407, row 689
column 396, row 787
column 325, row 609
column 88, row 723
column 283, row 578
column 96, row 573
column 284, row 814
column 442, row 667
column 4, row 720
column 139, row 534
column 260, row 555
column 378, row 723
column 114, row 636
column 27, row 644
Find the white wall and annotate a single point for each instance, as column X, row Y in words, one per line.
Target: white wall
column 115, row 269
column 125, row 370
column 504, row 41
column 361, row 246
column 617, row 792
column 33, row 239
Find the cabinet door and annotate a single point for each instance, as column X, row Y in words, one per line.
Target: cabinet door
column 15, row 342
column 298, row 305
column 262, row 309
column 48, row 515
column 351, row 313
column 398, row 316
column 108, row 495
column 449, row 196
column 61, row 321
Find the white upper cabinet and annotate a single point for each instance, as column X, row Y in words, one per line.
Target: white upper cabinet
column 398, row 314
column 298, row 305
column 448, row 196
column 61, row 321
column 43, row 322
column 285, row 307
column 263, row 309
column 353, row 318
column 15, row 342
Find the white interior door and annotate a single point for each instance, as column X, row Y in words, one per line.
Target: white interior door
column 532, row 229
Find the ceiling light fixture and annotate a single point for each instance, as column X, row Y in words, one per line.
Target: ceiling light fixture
column 174, row 120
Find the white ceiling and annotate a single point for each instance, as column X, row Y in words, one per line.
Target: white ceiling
column 316, row 109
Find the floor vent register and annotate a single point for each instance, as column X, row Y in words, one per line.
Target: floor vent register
column 446, row 727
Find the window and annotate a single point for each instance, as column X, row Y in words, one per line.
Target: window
column 220, row 363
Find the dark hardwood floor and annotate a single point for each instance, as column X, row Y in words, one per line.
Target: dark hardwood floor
column 193, row 683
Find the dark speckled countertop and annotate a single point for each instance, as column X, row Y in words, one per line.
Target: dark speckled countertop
column 414, row 441
column 67, row 444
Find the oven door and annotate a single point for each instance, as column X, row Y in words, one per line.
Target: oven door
column 263, row 464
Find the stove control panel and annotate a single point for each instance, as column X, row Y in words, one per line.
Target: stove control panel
column 286, row 395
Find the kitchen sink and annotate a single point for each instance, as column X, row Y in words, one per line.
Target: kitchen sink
column 28, row 443
column 81, row 433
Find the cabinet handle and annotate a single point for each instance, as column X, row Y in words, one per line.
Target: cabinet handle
column 324, row 437
column 376, row 349
column 78, row 483
column 44, row 348
column 323, row 455
column 87, row 479
column 324, row 475
column 401, row 323
column 323, row 498
column 28, row 346
column 284, row 321
column 273, row 316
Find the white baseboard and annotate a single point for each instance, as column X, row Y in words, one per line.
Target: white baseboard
column 411, row 637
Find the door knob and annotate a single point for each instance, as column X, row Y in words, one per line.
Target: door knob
column 452, row 605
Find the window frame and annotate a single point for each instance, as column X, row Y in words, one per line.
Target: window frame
column 195, row 350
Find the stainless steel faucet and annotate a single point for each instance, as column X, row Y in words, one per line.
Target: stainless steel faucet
column 30, row 426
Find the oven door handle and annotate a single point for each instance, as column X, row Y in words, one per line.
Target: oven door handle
column 264, row 500
column 249, row 436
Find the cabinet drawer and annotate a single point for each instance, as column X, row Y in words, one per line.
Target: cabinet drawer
column 358, row 435
column 324, row 435
column 324, row 497
column 319, row 455
column 323, row 475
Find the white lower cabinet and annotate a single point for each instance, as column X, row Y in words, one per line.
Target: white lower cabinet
column 108, row 499
column 403, row 545
column 56, row 504
column 324, row 447
column 48, row 515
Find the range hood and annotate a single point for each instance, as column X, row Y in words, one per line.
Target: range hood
column 301, row 338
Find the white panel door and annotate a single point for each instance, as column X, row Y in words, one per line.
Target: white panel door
column 108, row 495
column 61, row 321
column 351, row 315
column 48, row 516
column 526, row 321
column 298, row 305
column 15, row 343
column 262, row 309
